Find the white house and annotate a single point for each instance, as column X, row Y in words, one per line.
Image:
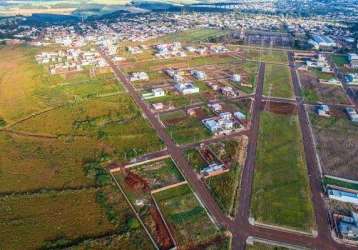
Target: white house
column 236, row 78
column 187, row 88
column 200, row 75
column 139, row 76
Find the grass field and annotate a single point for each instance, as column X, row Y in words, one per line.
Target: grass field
column 186, row 129
column 194, row 36
column 223, row 187
column 33, row 164
column 265, row 55
column 159, row 174
column 55, row 217
column 281, row 194
column 277, row 81
column 185, row 216
column 115, row 121
column 340, row 60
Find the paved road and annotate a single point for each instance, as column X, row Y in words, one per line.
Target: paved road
column 240, row 227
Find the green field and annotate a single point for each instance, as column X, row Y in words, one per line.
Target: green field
column 186, row 129
column 281, row 194
column 340, row 60
column 159, row 174
column 186, row 217
column 224, row 188
column 340, row 183
column 278, row 81
column 196, row 161
column 265, row 55
column 60, row 218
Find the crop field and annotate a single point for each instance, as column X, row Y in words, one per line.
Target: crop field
column 185, row 216
column 278, row 81
column 57, row 218
column 314, row 91
column 281, row 194
column 183, row 128
column 336, row 139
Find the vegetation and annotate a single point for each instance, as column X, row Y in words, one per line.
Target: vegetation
column 196, row 161
column 185, row 216
column 281, row 194
column 340, row 183
column 224, row 188
column 277, row 81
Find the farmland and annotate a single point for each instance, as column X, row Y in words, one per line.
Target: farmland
column 278, row 81
column 280, row 182
column 336, row 139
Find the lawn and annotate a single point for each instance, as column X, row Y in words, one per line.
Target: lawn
column 47, row 219
column 340, row 60
column 187, row 219
column 281, row 194
column 278, row 81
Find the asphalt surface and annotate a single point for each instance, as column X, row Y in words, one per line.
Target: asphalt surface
column 239, row 226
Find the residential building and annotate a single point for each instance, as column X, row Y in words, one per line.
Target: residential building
column 352, row 114
column 139, row 76
column 187, row 88
column 343, row 195
column 353, row 60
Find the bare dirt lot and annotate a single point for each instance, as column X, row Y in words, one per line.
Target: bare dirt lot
column 337, row 144
column 280, row 108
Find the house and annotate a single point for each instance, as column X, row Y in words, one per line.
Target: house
column 186, row 88
column 353, row 60
column 211, row 169
column 221, row 124
column 352, row 114
column 239, row 115
column 323, row 110
column 352, row 79
column 342, row 195
column 216, row 107
column 228, row 91
column 348, row 226
column 157, row 92
column 236, row 78
column 139, row 76
column 200, row 75
column 158, row 106
column 319, row 42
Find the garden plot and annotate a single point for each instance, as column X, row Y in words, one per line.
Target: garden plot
column 265, row 55
column 139, row 182
column 184, row 128
column 314, row 91
column 281, row 194
column 337, row 143
column 186, row 218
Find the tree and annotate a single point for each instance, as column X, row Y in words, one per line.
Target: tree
column 2, row 122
